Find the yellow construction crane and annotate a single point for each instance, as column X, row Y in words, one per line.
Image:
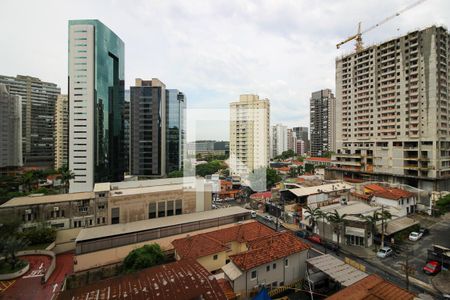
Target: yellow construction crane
column 358, row 35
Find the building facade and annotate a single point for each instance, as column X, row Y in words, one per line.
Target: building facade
column 176, row 130
column 249, row 134
column 323, row 122
column 61, row 131
column 38, row 111
column 10, row 129
column 148, row 128
column 206, row 147
column 300, row 147
column 392, row 116
column 96, row 103
column 291, row 140
column 302, row 134
column 278, row 140
column 126, row 133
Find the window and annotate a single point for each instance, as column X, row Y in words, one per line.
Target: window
column 253, row 276
column 227, row 261
column 161, row 209
column 267, row 268
column 152, row 210
column 178, row 207
column 274, row 266
column 215, row 257
column 115, row 215
column 286, row 262
column 170, row 210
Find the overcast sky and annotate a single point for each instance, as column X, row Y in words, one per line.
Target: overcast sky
column 212, row 50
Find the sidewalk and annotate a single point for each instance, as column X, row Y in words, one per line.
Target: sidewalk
column 441, row 282
column 361, row 252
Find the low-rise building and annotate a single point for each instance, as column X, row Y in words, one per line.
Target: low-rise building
column 318, row 161
column 271, row 262
column 213, row 249
column 404, row 201
column 185, row 279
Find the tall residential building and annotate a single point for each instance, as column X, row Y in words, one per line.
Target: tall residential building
column 61, row 131
column 393, row 111
column 291, row 140
column 148, row 128
column 96, row 103
column 323, row 122
column 38, row 111
column 10, row 129
column 300, row 147
column 249, row 134
column 126, row 132
column 176, row 130
column 302, row 134
column 278, row 140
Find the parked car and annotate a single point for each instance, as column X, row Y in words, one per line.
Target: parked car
column 302, row 233
column 315, row 238
column 330, row 245
column 253, row 214
column 269, row 218
column 432, row 267
column 424, row 231
column 415, row 236
column 385, row 252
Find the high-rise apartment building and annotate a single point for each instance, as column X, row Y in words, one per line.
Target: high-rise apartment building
column 393, row 111
column 61, row 131
column 176, row 129
column 96, row 103
column 126, row 134
column 300, row 147
column 278, row 140
column 38, row 111
column 302, row 134
column 249, row 134
column 323, row 122
column 291, row 139
column 10, row 129
column 148, row 128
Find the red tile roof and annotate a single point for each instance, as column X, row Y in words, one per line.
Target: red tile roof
column 227, row 289
column 298, row 163
column 216, row 241
column 262, row 195
column 372, row 287
column 268, row 249
column 184, row 279
column 321, row 159
column 388, row 193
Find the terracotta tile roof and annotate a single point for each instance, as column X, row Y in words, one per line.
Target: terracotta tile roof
column 284, row 169
column 321, row 159
column 361, row 196
column 227, row 289
column 372, row 287
column 268, row 249
column 298, row 163
column 216, row 241
column 388, row 193
column 184, row 279
column 262, row 195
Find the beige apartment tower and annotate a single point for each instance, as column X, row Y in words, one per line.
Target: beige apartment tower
column 249, row 134
column 61, row 131
column 393, row 111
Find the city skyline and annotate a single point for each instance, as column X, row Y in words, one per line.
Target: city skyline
column 273, row 39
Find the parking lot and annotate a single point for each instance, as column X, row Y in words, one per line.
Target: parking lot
column 439, row 235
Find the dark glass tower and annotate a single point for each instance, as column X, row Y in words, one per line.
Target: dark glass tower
column 176, row 129
column 96, row 104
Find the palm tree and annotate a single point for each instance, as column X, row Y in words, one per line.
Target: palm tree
column 312, row 215
column 337, row 220
column 324, row 216
column 384, row 216
column 372, row 221
column 65, row 175
column 27, row 179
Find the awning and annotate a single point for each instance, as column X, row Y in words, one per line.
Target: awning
column 398, row 225
column 232, row 271
column 361, row 232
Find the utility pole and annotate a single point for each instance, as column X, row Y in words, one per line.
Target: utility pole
column 382, row 226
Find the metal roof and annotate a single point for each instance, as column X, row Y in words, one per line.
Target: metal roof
column 320, row 189
column 399, row 224
column 124, row 228
column 337, row 269
column 47, row 199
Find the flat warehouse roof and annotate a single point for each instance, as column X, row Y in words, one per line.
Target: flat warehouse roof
column 47, row 199
column 325, row 188
column 120, row 229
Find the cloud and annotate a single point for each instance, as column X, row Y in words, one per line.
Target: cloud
column 212, row 50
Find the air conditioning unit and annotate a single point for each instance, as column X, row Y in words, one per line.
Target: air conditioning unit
column 56, row 208
column 28, row 211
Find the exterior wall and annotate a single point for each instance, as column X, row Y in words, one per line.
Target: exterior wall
column 396, row 120
column 38, row 110
column 302, row 134
column 211, row 264
column 281, row 274
column 405, row 206
column 249, row 134
column 176, row 130
column 278, row 140
column 96, row 102
column 10, row 129
column 61, row 131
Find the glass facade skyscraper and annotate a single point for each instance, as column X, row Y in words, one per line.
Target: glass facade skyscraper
column 96, row 104
column 176, row 129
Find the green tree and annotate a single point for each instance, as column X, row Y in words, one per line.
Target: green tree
column 42, row 234
column 9, row 226
column 26, row 180
column 312, row 214
column 338, row 222
column 176, row 173
column 309, row 168
column 144, row 257
column 371, row 220
column 384, row 216
column 293, row 172
column 65, row 175
column 9, row 248
column 209, row 168
column 272, row 177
